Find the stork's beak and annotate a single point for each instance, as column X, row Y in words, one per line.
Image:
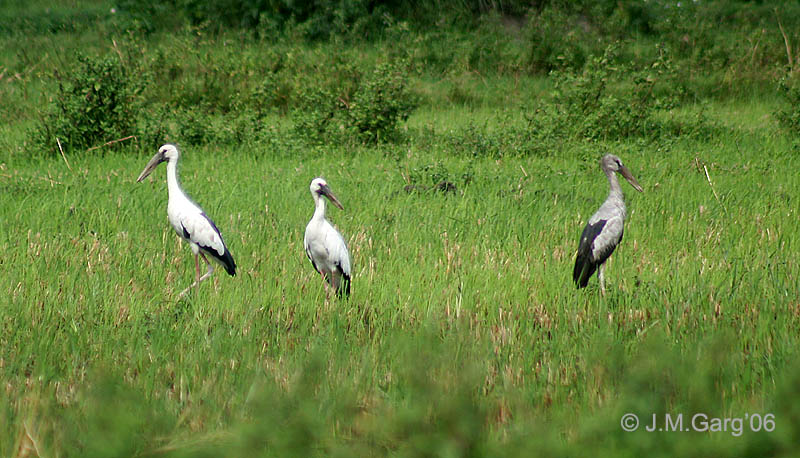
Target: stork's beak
column 157, row 159
column 326, row 191
column 627, row 174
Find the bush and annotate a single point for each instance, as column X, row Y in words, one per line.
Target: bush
column 320, row 116
column 313, row 20
column 585, row 106
column 380, row 101
column 148, row 16
column 556, row 39
column 271, row 93
column 97, row 102
column 789, row 118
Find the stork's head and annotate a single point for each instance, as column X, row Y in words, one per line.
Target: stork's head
column 168, row 152
column 610, row 163
column 319, row 187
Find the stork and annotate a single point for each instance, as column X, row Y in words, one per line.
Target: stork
column 603, row 231
column 189, row 220
column 325, row 246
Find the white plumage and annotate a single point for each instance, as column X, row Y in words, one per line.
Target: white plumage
column 188, row 219
column 603, row 231
column 324, row 245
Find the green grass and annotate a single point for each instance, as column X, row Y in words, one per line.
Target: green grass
column 464, row 329
column 464, row 335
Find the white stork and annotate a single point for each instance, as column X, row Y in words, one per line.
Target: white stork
column 324, row 245
column 189, row 220
column 603, row 231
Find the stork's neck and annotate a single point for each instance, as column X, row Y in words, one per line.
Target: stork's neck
column 173, row 186
column 615, row 192
column 319, row 210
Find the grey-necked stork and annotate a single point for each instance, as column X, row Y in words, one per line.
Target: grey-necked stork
column 324, row 245
column 189, row 220
column 603, row 231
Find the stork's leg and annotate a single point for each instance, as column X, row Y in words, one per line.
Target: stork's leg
column 196, row 277
column 335, row 282
column 208, row 272
column 601, row 276
column 196, row 271
column 199, row 278
column 324, row 283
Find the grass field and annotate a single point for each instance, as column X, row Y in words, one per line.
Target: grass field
column 464, row 334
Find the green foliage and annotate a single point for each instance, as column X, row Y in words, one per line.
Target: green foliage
column 193, row 125
column 315, row 20
column 26, row 19
column 509, row 139
column 789, row 118
column 199, row 127
column 274, row 92
column 96, row 102
column 482, row 346
column 148, row 16
column 555, row 39
column 379, row 102
column 465, row 335
column 494, row 46
column 321, row 117
column 609, row 99
column 437, row 177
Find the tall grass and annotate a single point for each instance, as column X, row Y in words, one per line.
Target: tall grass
column 464, row 334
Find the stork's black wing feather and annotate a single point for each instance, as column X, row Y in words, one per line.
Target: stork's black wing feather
column 585, row 263
column 226, row 259
column 308, row 255
column 344, row 283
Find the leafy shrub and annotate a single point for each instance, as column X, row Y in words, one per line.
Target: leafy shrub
column 380, row 101
column 320, row 116
column 585, row 104
column 313, row 20
column 556, row 39
column 156, row 128
column 199, row 126
column 193, row 125
column 271, row 93
column 494, row 46
column 610, row 100
column 95, row 103
column 147, row 16
column 789, row 118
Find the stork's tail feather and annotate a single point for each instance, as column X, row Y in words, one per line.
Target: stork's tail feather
column 226, row 260
column 584, row 268
column 229, row 264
